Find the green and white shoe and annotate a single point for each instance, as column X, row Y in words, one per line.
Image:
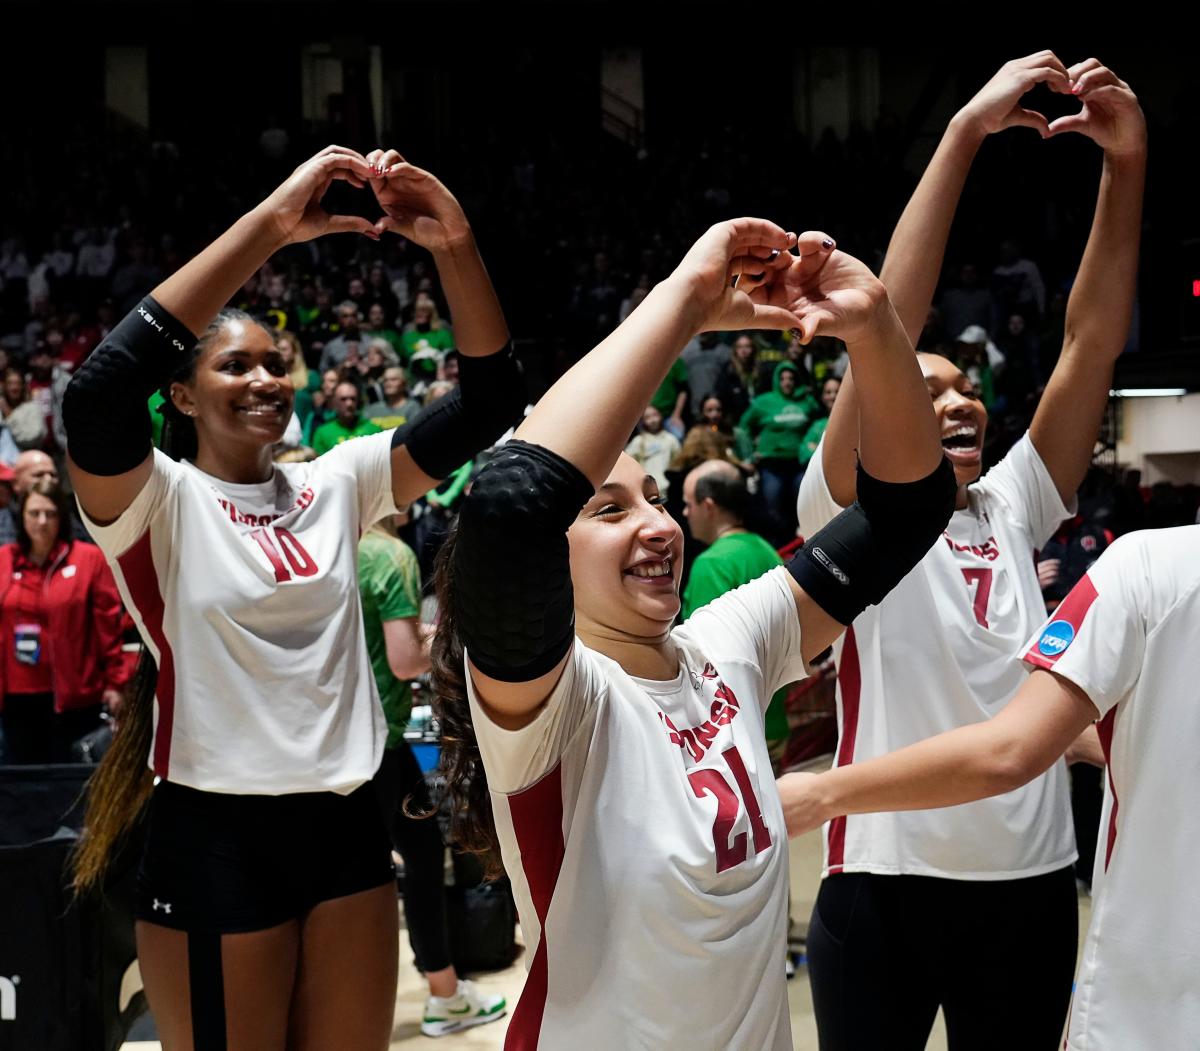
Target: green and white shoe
column 468, row 1007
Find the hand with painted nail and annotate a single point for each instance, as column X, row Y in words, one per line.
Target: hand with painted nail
column 730, row 260
column 1111, row 116
column 295, row 207
column 415, row 203
column 997, row 105
column 829, row 292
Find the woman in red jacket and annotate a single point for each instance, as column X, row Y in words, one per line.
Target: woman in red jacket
column 61, row 662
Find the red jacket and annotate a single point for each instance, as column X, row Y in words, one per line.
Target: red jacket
column 83, row 622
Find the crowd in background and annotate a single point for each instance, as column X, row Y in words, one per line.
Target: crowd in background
column 365, row 331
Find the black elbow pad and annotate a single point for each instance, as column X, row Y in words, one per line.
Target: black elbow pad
column 490, row 398
column 511, row 574
column 858, row 557
column 104, row 407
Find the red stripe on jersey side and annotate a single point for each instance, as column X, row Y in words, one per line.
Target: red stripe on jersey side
column 137, row 566
column 1072, row 609
column 537, row 815
column 850, row 681
column 1105, row 729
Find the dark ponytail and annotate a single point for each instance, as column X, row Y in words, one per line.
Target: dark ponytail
column 472, row 825
column 120, row 788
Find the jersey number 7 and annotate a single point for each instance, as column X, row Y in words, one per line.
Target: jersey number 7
column 981, row 579
column 731, row 852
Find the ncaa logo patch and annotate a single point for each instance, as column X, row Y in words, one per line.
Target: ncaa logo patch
column 1056, row 638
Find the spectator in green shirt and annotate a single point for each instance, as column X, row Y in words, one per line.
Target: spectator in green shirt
column 347, row 422
column 425, row 331
column 715, row 499
column 816, row 430
column 378, row 327
column 671, row 397
column 396, row 408
column 389, row 581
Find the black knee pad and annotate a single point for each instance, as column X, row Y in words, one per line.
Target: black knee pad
column 857, row 558
column 511, row 574
column 490, row 398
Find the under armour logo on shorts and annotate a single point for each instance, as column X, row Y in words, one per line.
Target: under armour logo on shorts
column 164, row 905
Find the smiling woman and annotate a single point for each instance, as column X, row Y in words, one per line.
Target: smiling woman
column 618, row 765
column 937, row 653
column 255, row 711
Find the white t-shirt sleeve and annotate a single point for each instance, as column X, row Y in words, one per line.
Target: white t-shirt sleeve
column 1097, row 636
column 1022, row 483
column 815, row 506
column 369, row 460
column 119, row 536
column 516, row 759
column 756, row 623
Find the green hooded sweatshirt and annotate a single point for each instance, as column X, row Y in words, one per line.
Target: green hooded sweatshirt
column 778, row 422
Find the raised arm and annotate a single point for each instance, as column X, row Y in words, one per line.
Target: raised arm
column 491, row 394
column 973, row 762
column 1098, row 312
column 918, row 245
column 108, row 427
column 512, row 595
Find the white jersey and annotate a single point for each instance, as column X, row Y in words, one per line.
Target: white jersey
column 641, row 827
column 936, row 654
column 247, row 597
column 1127, row 635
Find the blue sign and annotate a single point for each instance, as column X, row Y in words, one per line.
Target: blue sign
column 1056, row 638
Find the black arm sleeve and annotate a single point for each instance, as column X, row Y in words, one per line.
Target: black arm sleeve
column 858, row 557
column 104, row 407
column 511, row 573
column 490, row 398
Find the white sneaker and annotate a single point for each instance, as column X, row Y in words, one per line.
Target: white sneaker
column 468, row 1007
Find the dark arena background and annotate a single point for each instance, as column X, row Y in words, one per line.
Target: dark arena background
column 590, row 144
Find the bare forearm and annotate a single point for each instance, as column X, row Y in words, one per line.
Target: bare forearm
column 479, row 325
column 586, row 417
column 897, row 430
column 952, row 768
column 918, row 245
column 1097, row 326
column 198, row 290
column 1101, row 301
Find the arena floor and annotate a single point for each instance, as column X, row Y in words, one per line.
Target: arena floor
column 410, row 993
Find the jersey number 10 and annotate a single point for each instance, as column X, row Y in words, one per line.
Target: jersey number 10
column 275, row 539
column 731, row 852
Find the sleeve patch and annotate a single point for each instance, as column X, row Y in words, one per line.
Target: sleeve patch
column 1058, row 635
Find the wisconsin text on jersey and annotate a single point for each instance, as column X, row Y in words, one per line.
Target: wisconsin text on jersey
column 239, row 516
column 988, row 550
column 698, row 739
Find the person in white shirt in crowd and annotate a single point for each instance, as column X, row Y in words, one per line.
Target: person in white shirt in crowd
column 617, row 764
column 1119, row 652
column 980, row 901
column 265, row 900
column 654, row 447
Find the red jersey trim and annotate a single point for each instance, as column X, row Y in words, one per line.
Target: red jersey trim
column 850, row 681
column 537, row 815
column 1105, row 729
column 137, row 566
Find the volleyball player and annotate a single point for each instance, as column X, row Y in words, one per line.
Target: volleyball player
column 266, row 903
column 1120, row 648
column 630, row 785
column 972, row 909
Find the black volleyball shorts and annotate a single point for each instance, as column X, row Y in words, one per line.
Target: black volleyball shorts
column 235, row 863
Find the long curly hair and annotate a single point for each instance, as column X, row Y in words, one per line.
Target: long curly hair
column 460, row 768
column 119, row 790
